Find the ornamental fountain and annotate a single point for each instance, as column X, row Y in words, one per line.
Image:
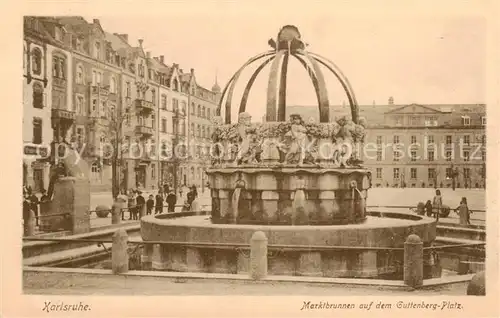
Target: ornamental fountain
column 302, row 184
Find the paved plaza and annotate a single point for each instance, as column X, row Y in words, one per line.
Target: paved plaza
column 87, row 284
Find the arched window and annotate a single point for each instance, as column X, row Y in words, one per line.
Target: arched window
column 208, row 113
column 203, row 112
column 37, row 95
column 193, row 109
column 175, row 85
column 198, row 132
column 153, row 97
column 112, row 85
column 192, row 129
column 199, row 110
column 192, row 173
column 79, row 74
column 203, row 131
column 36, row 61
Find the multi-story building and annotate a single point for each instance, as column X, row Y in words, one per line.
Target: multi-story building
column 203, row 105
column 421, row 145
column 100, row 92
column 95, row 95
column 47, row 107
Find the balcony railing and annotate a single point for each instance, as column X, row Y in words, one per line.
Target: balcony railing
column 100, row 90
column 144, row 105
column 144, row 131
column 63, row 114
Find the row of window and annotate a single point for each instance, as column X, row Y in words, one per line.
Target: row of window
column 429, row 139
column 430, row 121
column 431, row 173
column 397, row 155
column 201, row 112
column 201, row 131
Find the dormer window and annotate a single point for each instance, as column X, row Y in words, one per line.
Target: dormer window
column 175, row 85
column 58, row 34
column 465, row 121
column 483, row 120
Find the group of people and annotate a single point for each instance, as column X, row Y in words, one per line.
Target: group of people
column 136, row 202
column 31, row 202
column 434, row 208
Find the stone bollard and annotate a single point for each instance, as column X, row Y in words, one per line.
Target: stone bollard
column 119, row 254
column 258, row 255
column 477, row 285
column 116, row 212
column 142, row 211
column 29, row 224
column 413, row 261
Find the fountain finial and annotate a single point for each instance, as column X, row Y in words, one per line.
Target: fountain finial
column 288, row 38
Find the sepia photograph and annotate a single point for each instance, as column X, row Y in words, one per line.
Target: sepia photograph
column 234, row 154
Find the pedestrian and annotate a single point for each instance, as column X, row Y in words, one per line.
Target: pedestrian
column 131, row 204
column 192, row 194
column 428, row 208
column 171, row 201
column 150, row 204
column 140, row 202
column 464, row 212
column 159, row 203
column 26, row 207
column 34, row 205
column 437, row 204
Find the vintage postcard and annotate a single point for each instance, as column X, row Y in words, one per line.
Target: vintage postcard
column 252, row 159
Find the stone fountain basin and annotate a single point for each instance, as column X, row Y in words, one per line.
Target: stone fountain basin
column 388, row 229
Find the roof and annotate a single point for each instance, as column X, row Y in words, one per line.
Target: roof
column 117, row 43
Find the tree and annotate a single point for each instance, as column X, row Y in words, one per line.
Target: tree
column 115, row 134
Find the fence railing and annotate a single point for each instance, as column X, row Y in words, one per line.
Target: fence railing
column 260, row 251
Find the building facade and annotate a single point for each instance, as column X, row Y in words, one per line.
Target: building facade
column 47, row 107
column 420, row 145
column 94, row 89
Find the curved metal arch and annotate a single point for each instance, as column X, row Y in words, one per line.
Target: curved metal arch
column 345, row 84
column 311, row 75
column 246, row 93
column 282, row 89
column 232, row 83
column 324, row 103
column 272, row 88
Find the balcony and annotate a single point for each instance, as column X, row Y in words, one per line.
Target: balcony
column 144, row 131
column 99, row 90
column 144, row 105
column 62, row 114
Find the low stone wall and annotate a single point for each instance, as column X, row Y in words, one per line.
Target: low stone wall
column 293, row 250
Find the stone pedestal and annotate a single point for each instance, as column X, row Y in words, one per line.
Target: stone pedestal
column 119, row 254
column 413, row 261
column 71, row 196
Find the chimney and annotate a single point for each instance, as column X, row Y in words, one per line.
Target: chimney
column 96, row 21
column 192, row 71
column 148, row 54
column 180, row 70
column 162, row 58
column 140, row 42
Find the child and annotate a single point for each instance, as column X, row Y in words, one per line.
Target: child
column 150, row 204
column 464, row 212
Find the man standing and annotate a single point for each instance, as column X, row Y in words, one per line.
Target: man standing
column 159, row 203
column 141, row 202
column 34, row 205
column 171, row 201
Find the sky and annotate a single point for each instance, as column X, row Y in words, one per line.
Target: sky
column 413, row 58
